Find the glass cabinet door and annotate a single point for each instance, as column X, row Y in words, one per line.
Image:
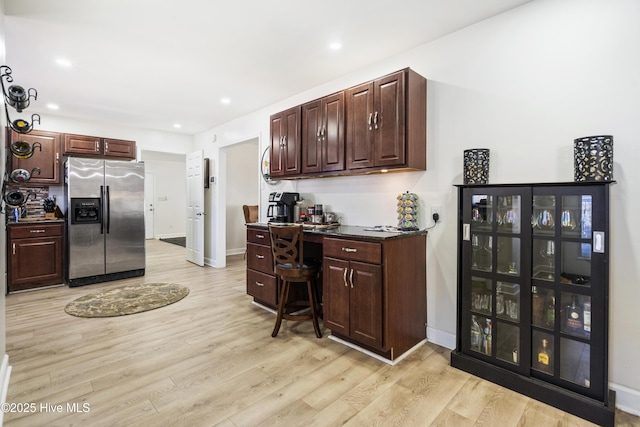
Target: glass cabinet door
column 562, row 291
column 496, row 224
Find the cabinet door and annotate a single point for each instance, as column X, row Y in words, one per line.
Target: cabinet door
column 285, row 143
column 389, row 120
column 119, row 148
column 82, row 144
column 336, row 295
column 569, row 274
column 312, row 137
column 365, row 281
column 495, row 275
column 48, row 159
column 360, row 149
column 35, row 262
column 332, row 132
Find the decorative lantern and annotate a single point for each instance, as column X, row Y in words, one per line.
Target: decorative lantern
column 407, row 208
column 476, row 166
column 593, row 158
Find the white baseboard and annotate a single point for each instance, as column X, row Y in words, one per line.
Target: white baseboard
column 5, row 374
column 627, row 399
column 441, row 338
column 236, row 251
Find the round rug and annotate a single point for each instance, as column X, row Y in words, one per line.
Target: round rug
column 127, row 300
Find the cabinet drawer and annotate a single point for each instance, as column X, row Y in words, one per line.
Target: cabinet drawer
column 259, row 236
column 262, row 287
column 353, row 250
column 38, row 230
column 259, row 258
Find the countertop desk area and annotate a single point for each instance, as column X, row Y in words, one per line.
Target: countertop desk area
column 373, row 284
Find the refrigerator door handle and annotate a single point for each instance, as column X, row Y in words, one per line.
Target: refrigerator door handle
column 108, row 210
column 102, row 207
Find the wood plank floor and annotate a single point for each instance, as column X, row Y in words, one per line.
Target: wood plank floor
column 209, row 360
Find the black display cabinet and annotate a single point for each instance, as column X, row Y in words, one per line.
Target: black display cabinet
column 533, row 292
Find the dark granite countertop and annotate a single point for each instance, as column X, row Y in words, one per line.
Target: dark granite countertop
column 355, row 231
column 32, row 221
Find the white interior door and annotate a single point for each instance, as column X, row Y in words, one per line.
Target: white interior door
column 149, row 207
column 195, row 208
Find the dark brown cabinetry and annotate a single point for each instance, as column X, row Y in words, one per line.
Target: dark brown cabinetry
column 83, row 145
column 48, row 159
column 386, row 122
column 34, row 255
column 374, row 292
column 262, row 284
column 285, row 143
column 533, row 285
column 373, row 127
column 323, row 130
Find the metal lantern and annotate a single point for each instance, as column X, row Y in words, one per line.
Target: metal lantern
column 593, row 158
column 476, row 166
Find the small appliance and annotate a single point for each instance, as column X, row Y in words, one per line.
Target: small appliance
column 281, row 206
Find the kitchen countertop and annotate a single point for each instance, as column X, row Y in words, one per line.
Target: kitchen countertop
column 354, row 231
column 29, row 221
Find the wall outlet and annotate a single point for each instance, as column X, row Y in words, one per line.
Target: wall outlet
column 436, row 210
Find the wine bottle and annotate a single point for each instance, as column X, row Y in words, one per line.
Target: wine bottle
column 574, row 314
column 476, row 334
column 586, row 315
column 488, row 338
column 551, row 312
column 544, row 357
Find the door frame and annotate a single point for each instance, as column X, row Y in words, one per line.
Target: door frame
column 219, row 198
column 149, row 200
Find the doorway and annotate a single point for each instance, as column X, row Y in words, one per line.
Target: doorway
column 242, row 161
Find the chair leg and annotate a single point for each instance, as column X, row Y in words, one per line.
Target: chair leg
column 313, row 305
column 284, row 295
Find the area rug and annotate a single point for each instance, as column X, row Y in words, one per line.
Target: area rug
column 180, row 241
column 125, row 300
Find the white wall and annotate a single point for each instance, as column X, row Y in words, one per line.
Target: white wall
column 242, row 189
column 523, row 84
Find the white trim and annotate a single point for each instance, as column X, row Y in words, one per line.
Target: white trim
column 237, row 251
column 627, row 399
column 374, row 355
column 5, row 374
column 169, row 236
column 264, row 307
column 441, row 338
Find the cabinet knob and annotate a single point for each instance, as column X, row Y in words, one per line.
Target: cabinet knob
column 37, row 231
column 259, row 256
column 259, row 284
column 369, row 122
column 349, row 250
column 351, row 278
column 14, row 248
column 375, row 120
column 344, row 277
column 260, row 236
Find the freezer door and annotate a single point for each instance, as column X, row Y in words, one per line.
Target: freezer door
column 85, row 178
column 124, row 216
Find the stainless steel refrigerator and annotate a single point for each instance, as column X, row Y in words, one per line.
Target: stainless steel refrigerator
column 105, row 220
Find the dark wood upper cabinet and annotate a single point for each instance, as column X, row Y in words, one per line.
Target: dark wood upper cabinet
column 372, row 127
column 285, row 143
column 47, row 159
column 92, row 146
column 323, row 130
column 386, row 122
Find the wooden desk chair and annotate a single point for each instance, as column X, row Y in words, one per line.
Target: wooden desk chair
column 287, row 246
column 250, row 213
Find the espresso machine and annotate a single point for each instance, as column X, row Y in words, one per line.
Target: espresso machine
column 281, row 205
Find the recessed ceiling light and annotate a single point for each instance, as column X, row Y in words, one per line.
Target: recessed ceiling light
column 53, row 106
column 335, row 46
column 177, row 125
column 225, row 100
column 63, row 62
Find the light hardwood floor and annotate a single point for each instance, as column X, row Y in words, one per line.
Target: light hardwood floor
column 210, row 360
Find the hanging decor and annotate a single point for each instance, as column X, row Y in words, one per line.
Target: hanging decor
column 476, row 166
column 593, row 158
column 17, row 97
column 265, row 169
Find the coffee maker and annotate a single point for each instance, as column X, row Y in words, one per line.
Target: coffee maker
column 281, row 206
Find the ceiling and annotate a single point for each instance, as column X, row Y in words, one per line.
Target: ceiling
column 155, row 63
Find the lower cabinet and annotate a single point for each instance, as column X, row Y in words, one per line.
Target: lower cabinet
column 374, row 292
column 35, row 255
column 262, row 284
